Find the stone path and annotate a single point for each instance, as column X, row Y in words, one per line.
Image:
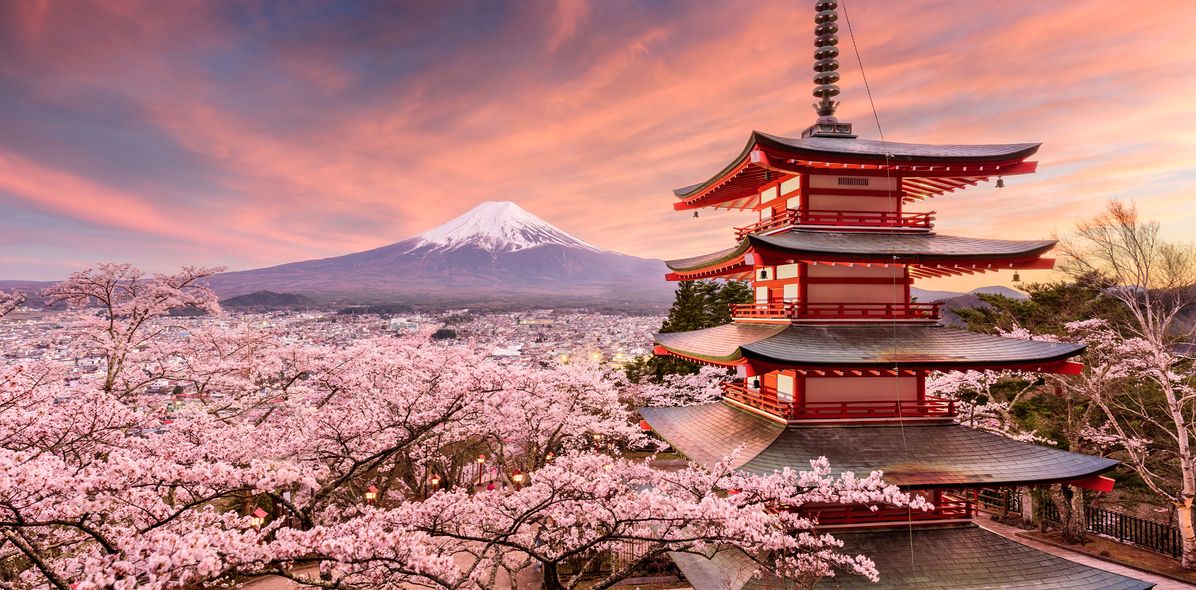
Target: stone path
column 1162, row 583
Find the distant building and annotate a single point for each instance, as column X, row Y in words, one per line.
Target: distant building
column 402, row 325
column 510, row 352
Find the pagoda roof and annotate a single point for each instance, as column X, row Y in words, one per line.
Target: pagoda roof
column 956, row 165
column 959, row 557
column 721, row 343
column 911, row 456
column 870, row 247
column 864, row 345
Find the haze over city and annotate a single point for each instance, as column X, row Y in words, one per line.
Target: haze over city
column 246, row 135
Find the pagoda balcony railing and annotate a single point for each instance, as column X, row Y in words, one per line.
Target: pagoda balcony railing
column 776, row 310
column 863, row 219
column 766, row 400
column 944, row 509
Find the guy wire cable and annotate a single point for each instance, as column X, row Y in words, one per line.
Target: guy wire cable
column 893, row 251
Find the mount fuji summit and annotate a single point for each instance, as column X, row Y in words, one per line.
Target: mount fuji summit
column 496, row 252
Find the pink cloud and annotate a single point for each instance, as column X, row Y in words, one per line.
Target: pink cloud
column 601, row 117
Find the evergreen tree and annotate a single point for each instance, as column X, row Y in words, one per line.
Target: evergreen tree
column 697, row 305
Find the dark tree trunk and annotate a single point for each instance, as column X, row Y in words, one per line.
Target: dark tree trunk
column 1070, row 503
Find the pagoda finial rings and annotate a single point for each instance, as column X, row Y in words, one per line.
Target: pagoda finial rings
column 826, row 77
column 826, row 65
column 828, row 52
column 826, row 29
column 826, row 17
column 824, row 40
column 826, row 91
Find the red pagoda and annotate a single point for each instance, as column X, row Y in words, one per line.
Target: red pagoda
column 832, row 356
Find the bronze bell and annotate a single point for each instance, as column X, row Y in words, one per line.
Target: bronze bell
column 695, row 214
column 1000, row 182
column 1017, row 278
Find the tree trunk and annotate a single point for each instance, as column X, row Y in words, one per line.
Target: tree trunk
column 1187, row 534
column 1070, row 504
column 551, row 580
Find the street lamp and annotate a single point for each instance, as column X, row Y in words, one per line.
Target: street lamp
column 371, row 494
column 435, row 481
column 517, row 477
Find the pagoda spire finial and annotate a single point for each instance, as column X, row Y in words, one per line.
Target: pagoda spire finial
column 826, row 72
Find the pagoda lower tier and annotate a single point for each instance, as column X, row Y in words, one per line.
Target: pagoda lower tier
column 958, row 557
column 913, row 456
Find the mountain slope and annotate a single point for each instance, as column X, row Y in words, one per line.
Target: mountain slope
column 495, row 252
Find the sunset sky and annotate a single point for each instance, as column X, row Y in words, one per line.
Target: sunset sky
column 248, row 134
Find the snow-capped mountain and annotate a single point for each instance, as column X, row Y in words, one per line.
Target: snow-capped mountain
column 496, row 252
column 498, row 226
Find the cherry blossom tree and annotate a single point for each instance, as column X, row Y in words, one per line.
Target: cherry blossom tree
column 130, row 309
column 9, row 301
column 680, row 389
column 277, row 456
column 1155, row 280
column 583, row 507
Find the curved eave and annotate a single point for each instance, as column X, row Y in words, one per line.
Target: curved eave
column 911, row 456
column 738, row 183
column 711, row 260
column 906, row 347
column 718, row 345
column 922, row 249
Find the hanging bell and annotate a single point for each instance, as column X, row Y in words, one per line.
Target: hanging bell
column 1000, row 182
column 695, row 214
column 1017, row 278
column 767, row 175
column 763, row 274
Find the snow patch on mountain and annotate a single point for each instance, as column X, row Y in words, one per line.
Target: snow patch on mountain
column 497, row 226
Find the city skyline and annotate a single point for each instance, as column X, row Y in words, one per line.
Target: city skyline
column 248, row 136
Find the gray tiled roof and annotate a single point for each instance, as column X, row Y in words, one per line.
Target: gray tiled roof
column 962, row 557
column 902, row 151
column 868, row 149
column 857, row 345
column 863, row 345
column 911, row 247
column 873, row 246
column 916, row 456
column 720, row 342
column 705, row 260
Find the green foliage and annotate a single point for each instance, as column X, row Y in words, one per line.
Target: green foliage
column 1050, row 306
column 697, row 305
column 444, row 334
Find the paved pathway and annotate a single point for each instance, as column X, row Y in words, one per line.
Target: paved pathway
column 1162, row 583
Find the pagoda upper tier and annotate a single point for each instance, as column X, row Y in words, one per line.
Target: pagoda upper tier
column 923, row 170
column 928, row 254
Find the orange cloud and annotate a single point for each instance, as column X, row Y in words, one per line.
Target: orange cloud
column 320, row 134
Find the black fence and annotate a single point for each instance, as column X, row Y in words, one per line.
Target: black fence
column 1125, row 528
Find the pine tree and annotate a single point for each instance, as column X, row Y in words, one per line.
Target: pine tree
column 697, row 305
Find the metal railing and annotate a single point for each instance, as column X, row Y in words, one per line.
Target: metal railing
column 862, row 219
column 1147, row 534
column 766, row 399
column 836, row 311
